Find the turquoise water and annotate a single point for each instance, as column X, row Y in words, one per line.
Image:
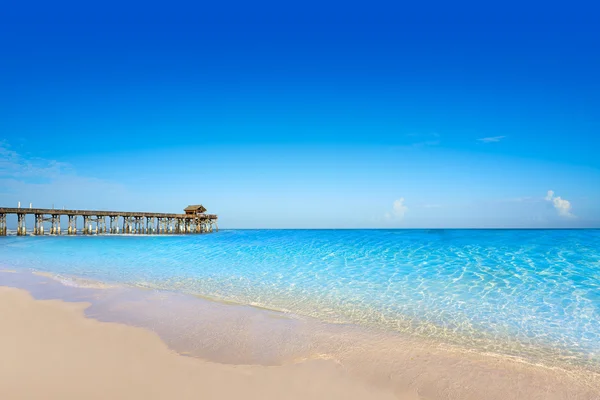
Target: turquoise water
column 528, row 293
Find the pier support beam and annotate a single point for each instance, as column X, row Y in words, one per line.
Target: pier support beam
column 21, row 229
column 55, row 228
column 3, row 225
column 114, row 224
column 100, row 225
column 127, row 225
column 38, row 228
column 87, row 225
column 150, row 223
column 72, row 229
column 140, row 227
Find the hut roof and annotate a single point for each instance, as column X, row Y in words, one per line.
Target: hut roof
column 196, row 208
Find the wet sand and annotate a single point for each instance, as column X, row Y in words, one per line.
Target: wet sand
column 270, row 354
column 51, row 351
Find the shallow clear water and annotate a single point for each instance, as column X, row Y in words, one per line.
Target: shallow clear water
column 528, row 293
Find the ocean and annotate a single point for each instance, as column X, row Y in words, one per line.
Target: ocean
column 531, row 294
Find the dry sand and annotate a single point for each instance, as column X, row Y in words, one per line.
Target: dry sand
column 49, row 350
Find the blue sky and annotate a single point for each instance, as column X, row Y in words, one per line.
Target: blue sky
column 336, row 115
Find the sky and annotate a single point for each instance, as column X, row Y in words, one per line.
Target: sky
column 306, row 115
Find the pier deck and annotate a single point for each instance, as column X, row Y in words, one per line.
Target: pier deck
column 194, row 220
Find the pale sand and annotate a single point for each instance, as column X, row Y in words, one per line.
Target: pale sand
column 49, row 350
column 108, row 358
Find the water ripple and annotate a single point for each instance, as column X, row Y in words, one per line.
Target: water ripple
column 532, row 294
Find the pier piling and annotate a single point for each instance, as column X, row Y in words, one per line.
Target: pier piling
column 55, row 229
column 3, row 229
column 114, row 223
column 21, row 230
column 72, row 229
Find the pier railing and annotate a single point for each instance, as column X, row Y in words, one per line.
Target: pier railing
column 94, row 222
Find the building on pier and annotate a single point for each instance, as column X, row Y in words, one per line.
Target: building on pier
column 193, row 220
column 193, row 210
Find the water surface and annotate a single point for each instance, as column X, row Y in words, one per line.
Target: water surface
column 533, row 294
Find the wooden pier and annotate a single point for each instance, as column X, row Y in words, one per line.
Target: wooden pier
column 193, row 220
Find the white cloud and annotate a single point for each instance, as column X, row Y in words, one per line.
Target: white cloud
column 398, row 210
column 562, row 206
column 492, row 139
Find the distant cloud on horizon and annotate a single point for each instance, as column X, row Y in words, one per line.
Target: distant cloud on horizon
column 398, row 210
column 493, row 139
column 562, row 206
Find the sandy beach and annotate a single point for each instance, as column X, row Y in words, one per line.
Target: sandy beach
column 51, row 351
column 63, row 341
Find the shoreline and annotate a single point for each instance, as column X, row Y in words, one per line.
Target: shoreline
column 245, row 335
column 50, row 350
column 451, row 346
